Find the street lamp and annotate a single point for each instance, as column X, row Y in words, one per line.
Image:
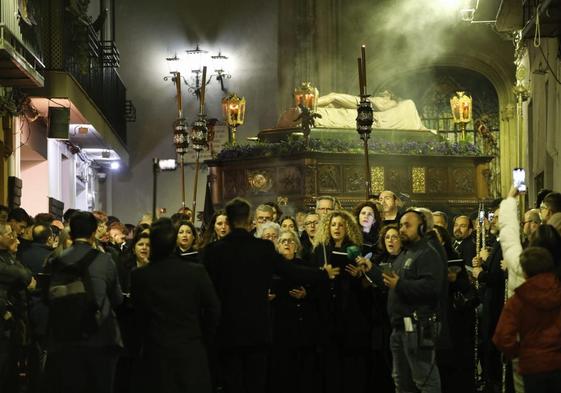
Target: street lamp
column 467, row 10
column 198, row 134
column 197, row 61
column 174, row 68
column 219, row 65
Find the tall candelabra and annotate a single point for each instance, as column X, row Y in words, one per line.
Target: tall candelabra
column 180, row 137
column 365, row 118
column 199, row 133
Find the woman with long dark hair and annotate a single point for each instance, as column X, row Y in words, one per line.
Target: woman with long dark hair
column 218, row 228
column 368, row 217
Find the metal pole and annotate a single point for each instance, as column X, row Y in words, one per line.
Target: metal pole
column 478, row 238
column 195, row 186
column 368, row 180
column 182, row 164
column 154, row 186
column 520, row 151
column 233, row 135
column 504, row 370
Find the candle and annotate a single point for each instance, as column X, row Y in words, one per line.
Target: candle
column 360, row 77
column 363, row 53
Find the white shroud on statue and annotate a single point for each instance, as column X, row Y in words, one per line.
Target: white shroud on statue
column 339, row 111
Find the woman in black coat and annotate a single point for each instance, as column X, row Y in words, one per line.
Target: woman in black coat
column 136, row 257
column 295, row 326
column 389, row 247
column 345, row 306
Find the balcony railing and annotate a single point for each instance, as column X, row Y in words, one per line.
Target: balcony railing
column 94, row 65
column 20, row 46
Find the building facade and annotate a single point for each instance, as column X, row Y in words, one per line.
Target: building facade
column 68, row 128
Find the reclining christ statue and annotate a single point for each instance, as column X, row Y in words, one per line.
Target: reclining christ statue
column 338, row 110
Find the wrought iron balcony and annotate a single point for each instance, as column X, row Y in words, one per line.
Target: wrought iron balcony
column 93, row 64
column 20, row 57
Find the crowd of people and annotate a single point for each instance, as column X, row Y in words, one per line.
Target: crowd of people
column 378, row 298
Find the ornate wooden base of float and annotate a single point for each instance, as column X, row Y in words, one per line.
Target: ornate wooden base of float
column 450, row 182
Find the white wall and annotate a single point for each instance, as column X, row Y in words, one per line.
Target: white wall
column 62, row 184
column 545, row 118
column 35, row 177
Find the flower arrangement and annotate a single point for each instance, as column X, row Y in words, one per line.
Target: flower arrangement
column 295, row 146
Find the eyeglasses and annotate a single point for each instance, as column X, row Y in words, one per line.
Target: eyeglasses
column 314, row 223
column 270, row 236
column 287, row 241
column 263, row 219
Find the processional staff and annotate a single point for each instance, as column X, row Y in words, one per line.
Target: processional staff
column 479, row 242
column 505, row 360
column 180, row 139
column 365, row 117
column 199, row 137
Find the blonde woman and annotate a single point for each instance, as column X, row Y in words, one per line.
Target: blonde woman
column 295, row 326
column 345, row 305
column 337, row 231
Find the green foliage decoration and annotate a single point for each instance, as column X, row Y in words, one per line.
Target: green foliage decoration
column 297, row 146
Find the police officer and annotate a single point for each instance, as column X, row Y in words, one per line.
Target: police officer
column 416, row 284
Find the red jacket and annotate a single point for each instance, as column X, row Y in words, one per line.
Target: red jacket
column 530, row 325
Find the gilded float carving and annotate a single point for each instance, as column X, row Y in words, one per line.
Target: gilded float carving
column 418, row 180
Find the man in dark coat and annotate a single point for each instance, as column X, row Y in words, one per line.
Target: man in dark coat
column 464, row 239
column 88, row 365
column 35, row 256
column 177, row 309
column 242, row 267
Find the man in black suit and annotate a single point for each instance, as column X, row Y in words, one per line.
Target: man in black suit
column 177, row 310
column 242, row 267
column 464, row 239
